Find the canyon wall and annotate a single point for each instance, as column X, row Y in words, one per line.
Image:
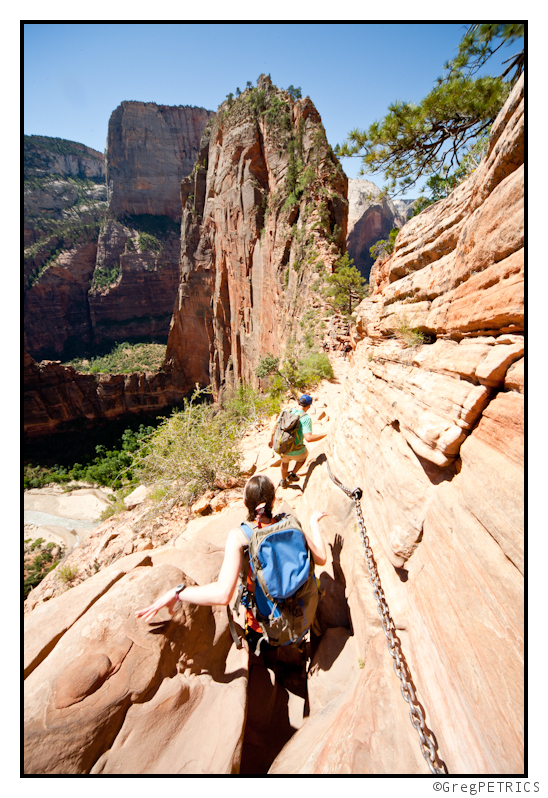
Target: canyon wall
column 370, row 219
column 96, row 271
column 150, row 148
column 264, row 217
column 57, row 397
column 433, row 433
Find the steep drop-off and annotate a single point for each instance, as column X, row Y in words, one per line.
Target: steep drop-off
column 264, row 217
column 150, row 149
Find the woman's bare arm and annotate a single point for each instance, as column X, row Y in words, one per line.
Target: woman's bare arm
column 219, row 592
column 315, row 539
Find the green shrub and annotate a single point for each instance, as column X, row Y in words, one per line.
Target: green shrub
column 124, row 358
column 301, row 369
column 104, row 277
column 36, row 567
column 311, row 369
column 405, row 332
column 190, row 450
column 384, row 247
column 37, row 542
column 110, row 467
column 245, row 406
column 148, row 242
column 66, row 573
column 117, row 503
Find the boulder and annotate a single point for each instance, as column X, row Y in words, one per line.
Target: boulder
column 112, row 684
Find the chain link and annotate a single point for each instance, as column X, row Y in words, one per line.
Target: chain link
column 428, row 742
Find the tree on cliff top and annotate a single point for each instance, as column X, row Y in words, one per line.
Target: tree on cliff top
column 417, row 140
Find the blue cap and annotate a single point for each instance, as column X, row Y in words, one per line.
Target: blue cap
column 305, row 399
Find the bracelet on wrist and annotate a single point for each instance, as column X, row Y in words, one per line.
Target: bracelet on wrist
column 179, row 589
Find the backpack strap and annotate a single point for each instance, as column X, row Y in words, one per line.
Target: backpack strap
column 232, row 627
column 246, row 529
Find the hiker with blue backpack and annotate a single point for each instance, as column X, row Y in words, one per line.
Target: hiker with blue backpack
column 275, row 560
column 292, row 428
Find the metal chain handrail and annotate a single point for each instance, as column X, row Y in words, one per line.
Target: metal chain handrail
column 428, row 742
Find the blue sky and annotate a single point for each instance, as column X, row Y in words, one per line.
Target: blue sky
column 76, row 74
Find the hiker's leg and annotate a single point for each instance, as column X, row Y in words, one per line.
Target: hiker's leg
column 299, row 464
column 285, row 468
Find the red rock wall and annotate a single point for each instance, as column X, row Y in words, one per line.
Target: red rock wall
column 150, row 148
column 434, row 436
column 56, row 307
column 247, row 263
column 56, row 396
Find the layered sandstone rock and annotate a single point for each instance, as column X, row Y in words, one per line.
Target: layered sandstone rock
column 113, row 684
column 150, row 148
column 57, row 319
column 264, row 214
column 56, row 397
column 138, row 303
column 433, row 434
column 370, row 219
column 64, row 190
column 44, row 155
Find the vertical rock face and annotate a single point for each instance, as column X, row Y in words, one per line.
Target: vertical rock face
column 264, row 214
column 136, row 303
column 150, row 148
column 433, row 434
column 370, row 218
column 91, row 279
column 64, row 202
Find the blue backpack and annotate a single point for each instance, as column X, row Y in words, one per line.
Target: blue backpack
column 285, row 592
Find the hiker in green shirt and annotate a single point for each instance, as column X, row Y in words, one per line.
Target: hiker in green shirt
column 299, row 452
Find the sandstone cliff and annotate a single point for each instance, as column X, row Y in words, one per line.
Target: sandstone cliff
column 370, row 218
column 58, row 398
column 264, row 215
column 44, row 155
column 96, row 272
column 433, row 434
column 150, row 148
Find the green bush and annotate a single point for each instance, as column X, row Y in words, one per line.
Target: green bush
column 245, row 406
column 124, row 358
column 66, row 573
column 110, row 467
column 405, row 332
column 306, row 371
column 104, row 277
column 36, row 567
column 190, row 450
column 384, row 247
column 148, row 242
column 300, row 370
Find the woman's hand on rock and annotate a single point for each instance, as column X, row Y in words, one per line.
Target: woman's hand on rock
column 168, row 600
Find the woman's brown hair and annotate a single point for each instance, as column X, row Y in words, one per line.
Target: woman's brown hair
column 259, row 490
